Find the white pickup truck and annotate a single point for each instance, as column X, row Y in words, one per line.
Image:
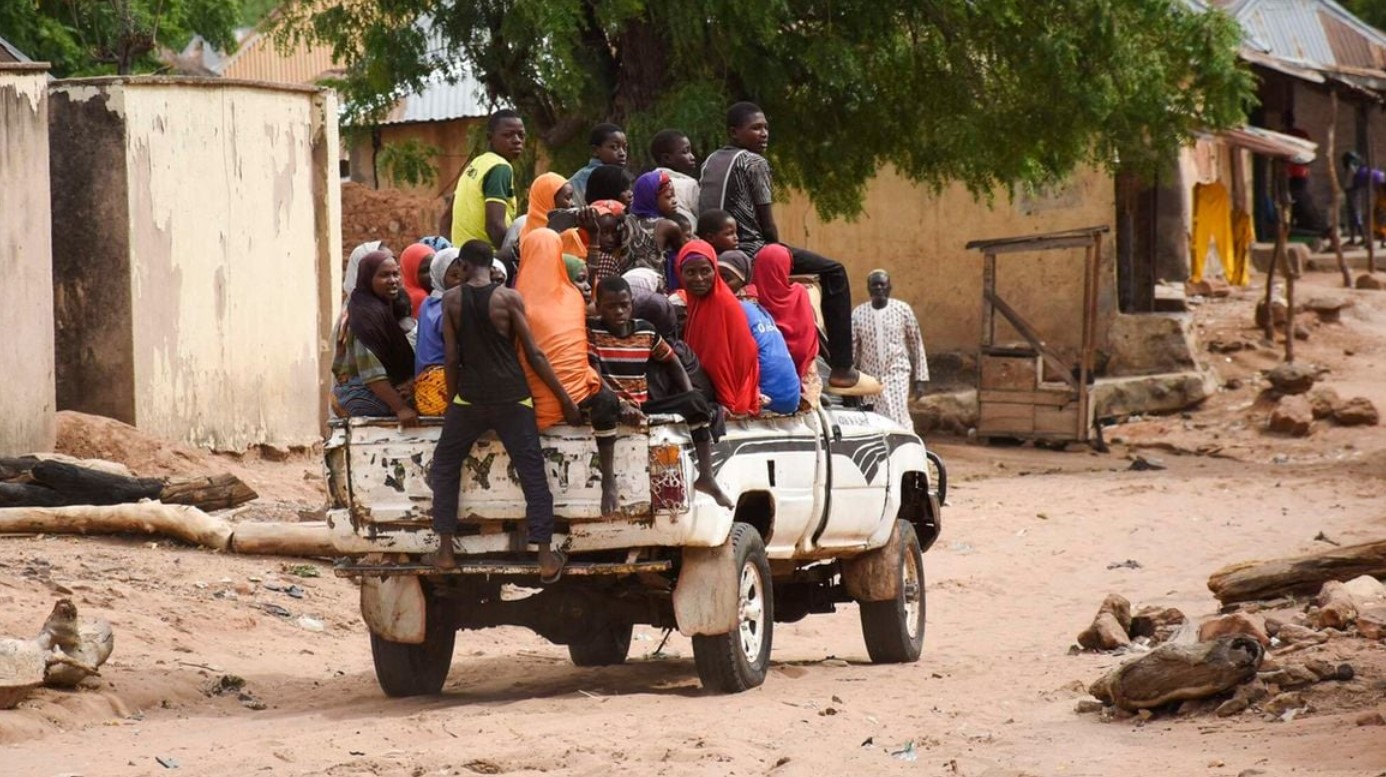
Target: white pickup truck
column 832, row 505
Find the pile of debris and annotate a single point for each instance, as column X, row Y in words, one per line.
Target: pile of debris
column 65, row 652
column 395, row 217
column 1298, row 404
column 1241, row 660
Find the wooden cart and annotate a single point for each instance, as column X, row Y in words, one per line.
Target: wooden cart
column 1027, row 391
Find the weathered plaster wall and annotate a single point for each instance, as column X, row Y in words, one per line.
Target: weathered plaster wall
column 27, row 401
column 919, row 236
column 231, row 230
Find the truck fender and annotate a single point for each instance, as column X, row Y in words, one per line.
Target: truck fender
column 706, row 597
column 874, row 576
column 394, row 608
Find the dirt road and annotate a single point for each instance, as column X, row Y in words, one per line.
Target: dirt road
column 1032, row 542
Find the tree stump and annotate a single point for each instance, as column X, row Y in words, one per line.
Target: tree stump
column 1298, row 576
column 1180, row 672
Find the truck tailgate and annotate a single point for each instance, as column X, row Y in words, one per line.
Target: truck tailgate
column 380, row 471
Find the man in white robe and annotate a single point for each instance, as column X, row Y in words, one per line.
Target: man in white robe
column 886, row 342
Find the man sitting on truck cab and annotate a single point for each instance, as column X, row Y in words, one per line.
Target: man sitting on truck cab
column 622, row 348
column 484, row 327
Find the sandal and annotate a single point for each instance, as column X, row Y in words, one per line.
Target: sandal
column 556, row 576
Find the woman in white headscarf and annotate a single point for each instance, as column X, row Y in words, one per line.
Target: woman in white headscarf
column 430, row 381
column 643, row 279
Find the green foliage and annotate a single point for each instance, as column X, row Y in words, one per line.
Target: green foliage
column 1372, row 12
column 410, row 162
column 993, row 93
column 102, row 37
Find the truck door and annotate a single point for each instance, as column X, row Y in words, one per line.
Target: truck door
column 858, row 475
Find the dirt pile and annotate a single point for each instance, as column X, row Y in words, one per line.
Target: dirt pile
column 97, row 437
column 391, row 215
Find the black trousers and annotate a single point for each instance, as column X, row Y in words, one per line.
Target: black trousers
column 603, row 410
column 514, row 424
column 836, row 305
column 692, row 406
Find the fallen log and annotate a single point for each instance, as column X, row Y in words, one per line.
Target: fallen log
column 283, row 539
column 1301, row 575
column 1180, row 672
column 180, row 522
column 32, row 482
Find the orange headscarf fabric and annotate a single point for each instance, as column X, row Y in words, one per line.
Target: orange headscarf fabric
column 558, row 318
column 719, row 334
column 788, row 303
column 409, row 262
column 541, row 200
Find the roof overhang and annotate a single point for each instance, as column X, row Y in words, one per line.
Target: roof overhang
column 1269, row 143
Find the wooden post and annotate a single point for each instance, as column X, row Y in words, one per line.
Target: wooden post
column 1333, row 235
column 1276, row 184
column 1282, row 257
column 1371, row 193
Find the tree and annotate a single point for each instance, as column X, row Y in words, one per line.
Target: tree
column 988, row 92
column 101, row 37
column 1372, row 12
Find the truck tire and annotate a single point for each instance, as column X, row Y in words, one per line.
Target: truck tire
column 737, row 661
column 606, row 647
column 894, row 629
column 415, row 670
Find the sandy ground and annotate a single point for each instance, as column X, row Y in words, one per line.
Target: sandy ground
column 1032, row 542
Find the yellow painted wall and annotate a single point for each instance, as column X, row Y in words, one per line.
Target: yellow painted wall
column 919, row 236
column 27, row 401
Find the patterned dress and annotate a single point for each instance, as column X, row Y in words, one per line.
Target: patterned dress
column 888, row 345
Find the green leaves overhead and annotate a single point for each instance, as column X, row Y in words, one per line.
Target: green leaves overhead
column 993, row 93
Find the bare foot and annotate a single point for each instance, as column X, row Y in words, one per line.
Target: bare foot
column 844, row 378
column 551, row 564
column 610, row 505
column 709, row 486
column 443, row 558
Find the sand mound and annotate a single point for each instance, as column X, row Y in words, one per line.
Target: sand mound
column 97, row 437
column 397, row 218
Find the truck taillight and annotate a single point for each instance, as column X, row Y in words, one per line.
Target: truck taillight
column 668, row 486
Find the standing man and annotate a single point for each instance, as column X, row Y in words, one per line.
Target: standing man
column 484, row 204
column 484, row 327
column 736, row 178
column 887, row 343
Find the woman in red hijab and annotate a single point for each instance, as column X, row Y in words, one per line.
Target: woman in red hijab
column 717, row 330
column 788, row 303
column 410, row 263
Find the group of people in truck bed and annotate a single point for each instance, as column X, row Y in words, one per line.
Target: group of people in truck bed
column 611, row 298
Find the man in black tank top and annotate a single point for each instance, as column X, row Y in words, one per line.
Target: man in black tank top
column 482, row 324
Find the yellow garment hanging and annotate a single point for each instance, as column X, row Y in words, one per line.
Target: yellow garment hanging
column 1212, row 223
column 1239, row 274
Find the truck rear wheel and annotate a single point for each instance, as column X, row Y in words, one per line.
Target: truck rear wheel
column 894, row 629
column 607, row 646
column 737, row 661
column 415, row 670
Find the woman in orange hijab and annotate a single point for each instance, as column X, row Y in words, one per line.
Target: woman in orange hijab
column 550, row 192
column 411, row 262
column 558, row 319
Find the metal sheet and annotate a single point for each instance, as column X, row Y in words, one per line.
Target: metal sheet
column 504, row 568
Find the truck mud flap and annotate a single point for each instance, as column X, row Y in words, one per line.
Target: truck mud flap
column 874, row 575
column 394, row 608
column 706, row 595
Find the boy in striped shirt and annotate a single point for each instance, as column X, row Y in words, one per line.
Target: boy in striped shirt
column 621, row 349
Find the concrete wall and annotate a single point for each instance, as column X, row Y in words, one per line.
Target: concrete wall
column 217, row 232
column 453, row 138
column 919, row 236
column 27, row 402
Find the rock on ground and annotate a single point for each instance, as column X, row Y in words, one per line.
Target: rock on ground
column 1291, row 378
column 1324, row 401
column 1293, row 416
column 1358, row 411
column 1109, row 629
column 1368, row 281
column 1237, row 623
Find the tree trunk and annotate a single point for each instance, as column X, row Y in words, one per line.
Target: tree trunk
column 35, row 483
column 283, row 539
column 1300, row 575
column 1333, row 235
column 1180, row 672
column 180, row 522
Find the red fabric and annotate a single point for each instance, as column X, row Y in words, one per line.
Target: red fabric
column 788, row 303
column 718, row 332
column 409, row 262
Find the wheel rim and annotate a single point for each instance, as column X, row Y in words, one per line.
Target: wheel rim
column 914, row 594
column 752, row 611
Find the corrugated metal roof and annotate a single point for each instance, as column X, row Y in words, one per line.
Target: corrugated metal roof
column 8, row 53
column 441, row 101
column 1316, row 32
